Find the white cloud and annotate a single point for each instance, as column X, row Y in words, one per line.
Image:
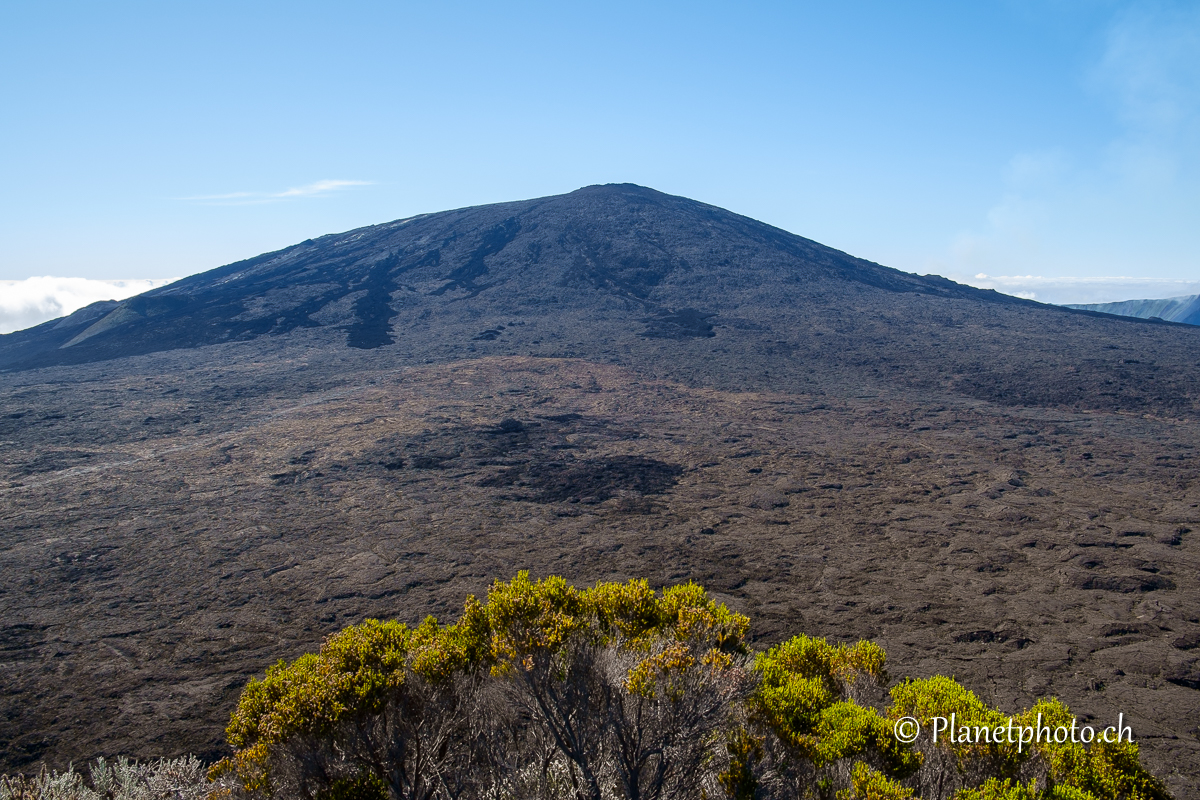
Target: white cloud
column 1081, row 290
column 1118, row 208
column 32, row 301
column 320, row 187
column 315, row 189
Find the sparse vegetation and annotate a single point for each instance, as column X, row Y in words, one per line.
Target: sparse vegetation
column 618, row 691
column 166, row 779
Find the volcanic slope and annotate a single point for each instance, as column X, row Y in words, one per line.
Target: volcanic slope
column 606, row 384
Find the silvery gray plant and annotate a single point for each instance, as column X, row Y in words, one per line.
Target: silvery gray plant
column 123, row 779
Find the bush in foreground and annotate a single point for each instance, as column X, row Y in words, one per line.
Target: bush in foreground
column 167, row 779
column 618, row 691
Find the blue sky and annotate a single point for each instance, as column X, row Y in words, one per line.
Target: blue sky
column 1055, row 144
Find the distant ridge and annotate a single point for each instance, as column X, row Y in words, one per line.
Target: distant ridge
column 1171, row 309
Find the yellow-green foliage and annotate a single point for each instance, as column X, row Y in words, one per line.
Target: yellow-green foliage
column 354, row 671
column 846, row 729
column 869, row 784
column 938, row 696
column 528, row 617
column 802, row 698
column 1104, row 770
column 687, row 613
column 361, row 787
column 1067, row 793
column 630, row 610
column 1100, row 771
column 944, row 697
column 996, row 789
column 835, row 666
column 744, row 750
column 656, row 674
column 440, row 653
column 360, row 669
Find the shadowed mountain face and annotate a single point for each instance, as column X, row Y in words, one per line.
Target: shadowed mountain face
column 613, row 383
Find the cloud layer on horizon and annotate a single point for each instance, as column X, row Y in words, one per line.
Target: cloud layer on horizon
column 1061, row 290
column 32, row 301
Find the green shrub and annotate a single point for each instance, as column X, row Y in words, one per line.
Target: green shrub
column 545, row 690
column 996, row 789
column 868, row 784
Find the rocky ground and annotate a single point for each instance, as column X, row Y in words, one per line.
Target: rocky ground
column 170, row 527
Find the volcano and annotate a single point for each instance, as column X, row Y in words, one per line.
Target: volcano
column 631, row 259
column 611, row 383
column 625, row 273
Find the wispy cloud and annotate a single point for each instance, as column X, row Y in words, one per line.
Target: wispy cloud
column 315, row 189
column 1150, row 74
column 1102, row 289
column 1151, row 66
column 32, row 301
column 1118, row 206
